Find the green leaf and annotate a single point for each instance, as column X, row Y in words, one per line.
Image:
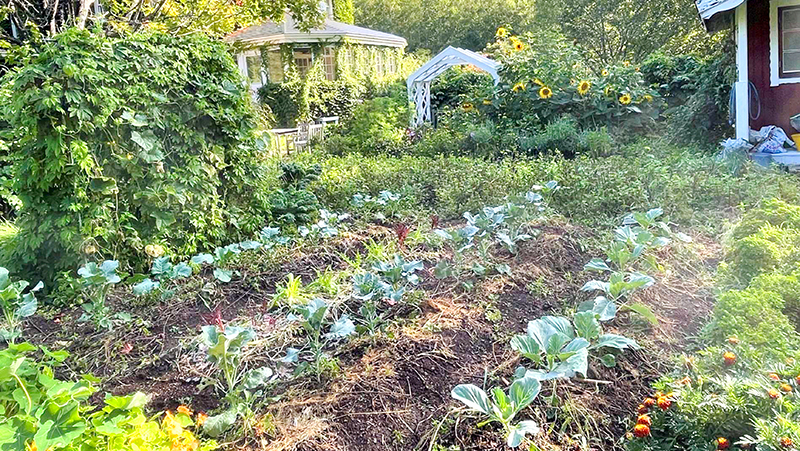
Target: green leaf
column 181, row 271
column 144, row 287
column 151, row 146
column 597, row 264
column 216, row 425
column 257, row 378
column 199, row 259
column 586, row 325
column 523, row 391
column 576, row 363
column 517, row 432
column 644, row 311
column 473, row 397
column 59, row 426
column 606, row 310
column 527, row 346
column 615, row 341
column 223, row 275
column 608, row 360
column 161, row 266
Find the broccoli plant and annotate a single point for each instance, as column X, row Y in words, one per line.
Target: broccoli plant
column 17, row 304
column 503, row 408
column 97, row 281
column 313, row 317
column 639, row 234
column 242, row 387
column 390, row 280
column 162, row 271
column 327, row 227
column 559, row 348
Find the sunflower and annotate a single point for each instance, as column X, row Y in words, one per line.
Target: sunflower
column 583, row 87
column 502, row 32
column 545, row 92
column 518, row 87
column 467, row 107
column 625, row 99
column 604, row 73
column 648, row 98
column 626, row 63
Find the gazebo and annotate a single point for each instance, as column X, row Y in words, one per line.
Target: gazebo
column 419, row 83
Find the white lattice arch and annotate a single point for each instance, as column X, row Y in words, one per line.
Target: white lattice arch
column 419, row 83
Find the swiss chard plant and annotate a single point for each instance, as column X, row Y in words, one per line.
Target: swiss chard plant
column 18, row 302
column 503, row 408
column 97, row 281
column 313, row 318
column 560, row 348
column 241, row 386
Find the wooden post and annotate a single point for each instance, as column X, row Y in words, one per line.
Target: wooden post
column 742, row 85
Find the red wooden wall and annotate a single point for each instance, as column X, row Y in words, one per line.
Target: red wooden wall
column 778, row 103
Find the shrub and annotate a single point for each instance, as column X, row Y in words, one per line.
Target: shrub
column 281, row 98
column 324, row 98
column 113, row 151
column 776, row 212
column 376, row 126
column 787, row 287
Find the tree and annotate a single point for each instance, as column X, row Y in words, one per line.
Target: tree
column 343, row 11
column 618, row 30
column 26, row 20
column 435, row 24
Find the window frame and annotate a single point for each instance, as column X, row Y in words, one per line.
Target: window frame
column 254, row 85
column 777, row 76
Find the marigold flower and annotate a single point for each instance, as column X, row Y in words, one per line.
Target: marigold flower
column 733, row 340
column 786, row 388
column 184, row 410
column 519, row 87
column 786, row 442
column 774, row 377
column 664, row 403
column 641, row 430
column 773, row 393
column 502, row 32
column 649, row 402
column 644, row 419
column 545, row 92
column 171, row 425
column 729, row 357
column 625, row 99
column 201, row 418
column 797, row 380
column 583, row 87
column 723, row 443
column 642, row 409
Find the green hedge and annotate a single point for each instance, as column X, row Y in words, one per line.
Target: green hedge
column 120, row 142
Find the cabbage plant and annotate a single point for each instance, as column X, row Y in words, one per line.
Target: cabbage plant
column 503, row 408
column 17, row 304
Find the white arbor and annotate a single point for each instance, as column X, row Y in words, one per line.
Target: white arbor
column 419, row 83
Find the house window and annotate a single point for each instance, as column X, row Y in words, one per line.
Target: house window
column 329, row 62
column 784, row 41
column 302, row 59
column 379, row 63
column 391, row 64
column 254, row 72
column 789, row 41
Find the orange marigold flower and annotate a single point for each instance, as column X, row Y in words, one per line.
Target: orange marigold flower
column 664, row 403
column 774, row 377
column 786, row 442
column 201, row 418
column 729, row 357
column 184, row 410
column 644, row 419
column 733, row 340
column 171, row 425
column 786, row 388
column 31, row 446
column 649, row 402
column 773, row 393
column 642, row 409
column 641, row 430
column 685, row 381
column 797, row 380
column 723, row 443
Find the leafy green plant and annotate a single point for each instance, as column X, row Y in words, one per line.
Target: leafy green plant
column 560, row 347
column 242, row 387
column 381, row 207
column 328, row 226
column 97, row 281
column 162, row 271
column 313, row 318
column 503, row 408
column 17, row 304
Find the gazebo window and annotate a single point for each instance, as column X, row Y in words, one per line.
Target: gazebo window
column 789, row 33
column 329, row 60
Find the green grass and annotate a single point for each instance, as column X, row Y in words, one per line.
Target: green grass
column 8, row 241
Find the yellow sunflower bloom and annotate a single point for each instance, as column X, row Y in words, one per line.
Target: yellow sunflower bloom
column 502, row 32
column 467, row 107
column 545, row 92
column 519, row 87
column 518, row 45
column 625, row 99
column 604, row 73
column 583, row 87
column 626, row 63
column 648, row 98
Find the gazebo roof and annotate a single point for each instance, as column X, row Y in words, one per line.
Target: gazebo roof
column 714, row 13
column 330, row 31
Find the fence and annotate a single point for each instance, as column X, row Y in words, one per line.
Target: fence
column 288, row 140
